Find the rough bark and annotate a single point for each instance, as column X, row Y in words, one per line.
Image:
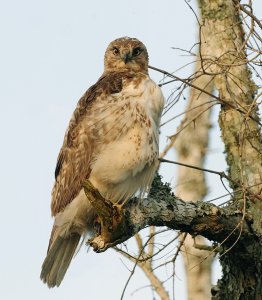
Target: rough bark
column 162, row 208
column 241, row 135
column 222, row 225
column 223, row 32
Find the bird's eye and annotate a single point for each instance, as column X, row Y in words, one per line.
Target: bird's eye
column 115, row 51
column 137, row 51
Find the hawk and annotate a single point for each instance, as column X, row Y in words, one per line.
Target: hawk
column 112, row 141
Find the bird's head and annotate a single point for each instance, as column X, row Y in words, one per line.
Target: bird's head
column 126, row 54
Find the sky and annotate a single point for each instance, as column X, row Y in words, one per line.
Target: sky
column 51, row 52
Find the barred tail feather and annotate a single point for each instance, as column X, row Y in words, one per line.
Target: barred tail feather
column 58, row 259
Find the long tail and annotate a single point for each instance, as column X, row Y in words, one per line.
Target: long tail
column 58, row 259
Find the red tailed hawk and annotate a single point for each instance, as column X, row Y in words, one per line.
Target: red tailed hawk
column 112, row 140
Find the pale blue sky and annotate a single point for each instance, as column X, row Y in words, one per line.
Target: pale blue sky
column 50, row 53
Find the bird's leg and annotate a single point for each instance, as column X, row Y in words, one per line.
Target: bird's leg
column 111, row 218
column 102, row 206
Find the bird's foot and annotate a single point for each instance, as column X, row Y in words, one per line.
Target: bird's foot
column 111, row 222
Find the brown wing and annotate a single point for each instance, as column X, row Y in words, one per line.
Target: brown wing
column 73, row 163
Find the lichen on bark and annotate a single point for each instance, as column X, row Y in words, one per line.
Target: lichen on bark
column 225, row 51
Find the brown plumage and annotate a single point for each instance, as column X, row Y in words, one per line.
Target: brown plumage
column 112, row 140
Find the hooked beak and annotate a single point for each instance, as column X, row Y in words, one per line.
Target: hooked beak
column 126, row 56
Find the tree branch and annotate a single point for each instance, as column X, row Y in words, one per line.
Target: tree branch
column 162, row 208
column 221, row 100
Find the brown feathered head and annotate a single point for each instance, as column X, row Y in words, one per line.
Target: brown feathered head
column 126, row 54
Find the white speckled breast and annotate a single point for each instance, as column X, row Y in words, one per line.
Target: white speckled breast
column 129, row 123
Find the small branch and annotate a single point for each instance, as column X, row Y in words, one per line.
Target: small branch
column 250, row 14
column 155, row 282
column 244, row 112
column 181, row 243
column 151, row 245
column 222, row 174
column 146, row 266
column 140, row 245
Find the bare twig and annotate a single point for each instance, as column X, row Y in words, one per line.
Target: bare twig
column 211, row 95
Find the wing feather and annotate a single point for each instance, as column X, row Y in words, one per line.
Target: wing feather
column 75, row 157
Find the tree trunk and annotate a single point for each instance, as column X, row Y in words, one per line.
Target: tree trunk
column 222, row 31
column 191, row 146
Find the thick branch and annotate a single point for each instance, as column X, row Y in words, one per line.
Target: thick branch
column 162, row 208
